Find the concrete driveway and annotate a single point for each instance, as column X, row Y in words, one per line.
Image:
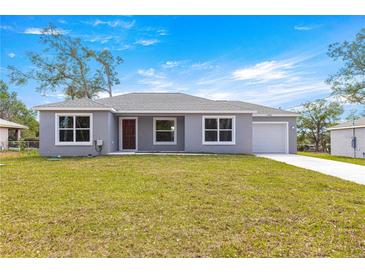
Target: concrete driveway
column 346, row 171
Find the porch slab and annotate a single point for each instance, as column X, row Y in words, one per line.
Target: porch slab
column 123, row 153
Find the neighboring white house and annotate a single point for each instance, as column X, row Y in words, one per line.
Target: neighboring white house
column 5, row 126
column 348, row 139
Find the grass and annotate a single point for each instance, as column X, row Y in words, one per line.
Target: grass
column 357, row 161
column 176, row 206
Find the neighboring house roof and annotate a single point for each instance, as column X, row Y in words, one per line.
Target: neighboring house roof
column 163, row 103
column 263, row 110
column 8, row 124
column 350, row 124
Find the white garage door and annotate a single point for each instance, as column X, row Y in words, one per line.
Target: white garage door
column 270, row 137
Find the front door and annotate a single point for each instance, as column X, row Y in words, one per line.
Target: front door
column 129, row 134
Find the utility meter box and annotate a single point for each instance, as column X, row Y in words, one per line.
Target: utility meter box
column 353, row 142
column 99, row 143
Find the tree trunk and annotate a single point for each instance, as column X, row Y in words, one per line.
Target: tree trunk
column 318, row 138
column 317, row 146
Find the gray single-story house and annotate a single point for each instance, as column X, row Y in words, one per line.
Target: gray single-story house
column 163, row 122
column 348, row 139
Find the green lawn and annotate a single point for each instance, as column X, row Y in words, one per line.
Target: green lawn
column 176, row 206
column 358, row 161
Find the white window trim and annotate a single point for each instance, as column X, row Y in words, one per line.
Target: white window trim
column 121, row 133
column 287, row 132
column 74, row 143
column 154, row 130
column 233, row 142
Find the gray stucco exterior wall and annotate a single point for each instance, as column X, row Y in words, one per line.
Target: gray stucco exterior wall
column 145, row 135
column 194, row 136
column 341, row 142
column 292, row 127
column 113, row 135
column 104, row 128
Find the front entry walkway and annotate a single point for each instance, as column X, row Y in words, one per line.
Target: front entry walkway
column 346, row 171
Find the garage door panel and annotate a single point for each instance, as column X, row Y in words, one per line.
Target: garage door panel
column 269, row 137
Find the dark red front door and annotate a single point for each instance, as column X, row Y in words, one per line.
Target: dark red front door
column 129, row 133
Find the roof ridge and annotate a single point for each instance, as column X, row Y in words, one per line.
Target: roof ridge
column 140, row 93
column 160, row 93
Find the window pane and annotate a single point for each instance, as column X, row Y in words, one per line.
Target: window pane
column 225, row 136
column 66, row 121
column 66, row 135
column 82, row 122
column 225, row 123
column 211, row 136
column 164, row 136
column 82, row 135
column 210, row 123
column 165, row 125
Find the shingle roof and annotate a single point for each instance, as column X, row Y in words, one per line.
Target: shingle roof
column 349, row 124
column 164, row 103
column 76, row 103
column 8, row 124
column 262, row 110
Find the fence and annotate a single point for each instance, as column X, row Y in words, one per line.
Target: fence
column 19, row 145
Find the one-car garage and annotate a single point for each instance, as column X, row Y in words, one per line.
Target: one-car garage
column 270, row 137
column 273, row 130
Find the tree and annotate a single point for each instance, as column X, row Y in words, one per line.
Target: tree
column 349, row 81
column 12, row 109
column 68, row 64
column 315, row 118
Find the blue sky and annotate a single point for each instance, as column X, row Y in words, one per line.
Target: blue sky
column 278, row 61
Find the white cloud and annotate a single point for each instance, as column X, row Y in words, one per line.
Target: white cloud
column 153, row 31
column 170, row 64
column 123, row 47
column 203, row 66
column 162, row 32
column 147, row 42
column 57, row 94
column 157, row 84
column 11, row 54
column 62, row 21
column 99, row 38
column 153, row 81
column 4, row 27
column 146, row 72
column 265, row 71
column 216, row 95
column 212, row 80
column 284, row 93
column 105, row 94
column 151, row 72
column 305, row 27
column 278, row 82
column 114, row 23
column 38, row 31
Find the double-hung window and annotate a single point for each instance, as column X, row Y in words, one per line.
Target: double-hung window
column 73, row 129
column 164, row 131
column 219, row 130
